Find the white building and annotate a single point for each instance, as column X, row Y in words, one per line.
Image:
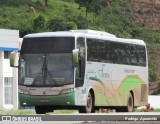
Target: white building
column 8, row 76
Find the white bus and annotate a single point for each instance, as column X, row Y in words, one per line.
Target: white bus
column 81, row 69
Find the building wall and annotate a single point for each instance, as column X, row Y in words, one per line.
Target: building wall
column 1, row 80
column 8, row 42
column 15, row 87
column 9, row 38
column 13, row 73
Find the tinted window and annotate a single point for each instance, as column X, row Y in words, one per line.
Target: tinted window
column 133, row 55
column 48, row 45
column 115, row 52
column 80, row 71
column 141, row 55
column 92, row 50
column 103, row 51
column 114, row 55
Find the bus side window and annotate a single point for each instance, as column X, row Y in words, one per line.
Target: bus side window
column 141, row 55
column 103, row 51
column 113, row 53
column 92, row 52
column 133, row 55
column 80, row 71
column 122, row 54
column 127, row 53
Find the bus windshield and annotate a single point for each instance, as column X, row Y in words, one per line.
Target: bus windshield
column 46, row 61
column 46, row 69
column 53, row 69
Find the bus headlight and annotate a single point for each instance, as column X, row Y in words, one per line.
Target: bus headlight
column 23, row 91
column 67, row 91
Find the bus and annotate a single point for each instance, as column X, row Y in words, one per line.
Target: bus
column 81, row 69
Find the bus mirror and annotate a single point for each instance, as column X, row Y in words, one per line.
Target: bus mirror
column 14, row 59
column 75, row 57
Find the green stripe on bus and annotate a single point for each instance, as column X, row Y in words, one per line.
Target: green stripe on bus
column 129, row 83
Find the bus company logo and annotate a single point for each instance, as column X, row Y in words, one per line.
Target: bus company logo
column 20, row 118
column 6, row 118
column 103, row 72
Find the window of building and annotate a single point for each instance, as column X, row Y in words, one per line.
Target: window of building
column 7, row 54
column 8, row 90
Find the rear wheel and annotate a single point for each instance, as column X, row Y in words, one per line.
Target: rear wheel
column 89, row 108
column 130, row 103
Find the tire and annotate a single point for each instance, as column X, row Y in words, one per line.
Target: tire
column 130, row 103
column 43, row 109
column 89, row 108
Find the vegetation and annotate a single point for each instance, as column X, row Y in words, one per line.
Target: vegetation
column 113, row 16
column 148, row 108
column 32, row 112
column 17, row 112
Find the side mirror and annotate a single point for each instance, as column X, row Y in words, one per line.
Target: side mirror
column 75, row 57
column 14, row 59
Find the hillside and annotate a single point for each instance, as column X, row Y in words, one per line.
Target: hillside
column 147, row 12
column 125, row 18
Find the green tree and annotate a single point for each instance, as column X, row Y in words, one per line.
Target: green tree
column 39, row 24
column 71, row 25
column 81, row 22
column 46, row 2
column 85, row 3
column 57, row 24
column 94, row 6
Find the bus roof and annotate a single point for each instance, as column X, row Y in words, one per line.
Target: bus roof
column 51, row 34
column 94, row 32
column 87, row 33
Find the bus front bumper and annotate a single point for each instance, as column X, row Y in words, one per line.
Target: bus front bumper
column 63, row 99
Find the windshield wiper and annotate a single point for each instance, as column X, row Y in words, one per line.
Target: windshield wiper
column 45, row 71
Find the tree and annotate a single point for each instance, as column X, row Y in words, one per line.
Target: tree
column 57, row 24
column 71, row 25
column 39, row 24
column 86, row 4
column 46, row 2
column 92, row 6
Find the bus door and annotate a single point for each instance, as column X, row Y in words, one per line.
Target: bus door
column 80, row 71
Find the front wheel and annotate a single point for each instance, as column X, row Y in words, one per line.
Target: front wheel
column 89, row 108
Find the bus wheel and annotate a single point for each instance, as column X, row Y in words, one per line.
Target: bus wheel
column 43, row 109
column 130, row 103
column 89, row 108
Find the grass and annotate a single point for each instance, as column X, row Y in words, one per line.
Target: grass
column 64, row 112
column 17, row 112
column 32, row 112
